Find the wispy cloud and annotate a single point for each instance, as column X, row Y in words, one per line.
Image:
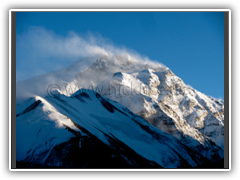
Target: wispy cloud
column 40, row 50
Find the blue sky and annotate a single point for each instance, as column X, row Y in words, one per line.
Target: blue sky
column 191, row 44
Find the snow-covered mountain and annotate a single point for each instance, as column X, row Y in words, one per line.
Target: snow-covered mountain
column 151, row 90
column 52, row 130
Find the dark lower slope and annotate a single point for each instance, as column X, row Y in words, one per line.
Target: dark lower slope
column 87, row 151
column 84, row 150
column 217, row 165
column 88, row 130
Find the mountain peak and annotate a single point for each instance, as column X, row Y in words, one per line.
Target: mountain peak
column 146, row 88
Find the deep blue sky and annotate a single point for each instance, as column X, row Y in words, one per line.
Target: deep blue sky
column 191, row 44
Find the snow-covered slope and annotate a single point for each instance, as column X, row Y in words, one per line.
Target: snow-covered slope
column 150, row 90
column 168, row 105
column 141, row 87
column 44, row 125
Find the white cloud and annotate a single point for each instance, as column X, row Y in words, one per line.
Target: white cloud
column 40, row 51
column 51, row 44
column 47, row 43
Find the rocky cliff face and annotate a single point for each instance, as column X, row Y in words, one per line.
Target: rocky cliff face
column 163, row 99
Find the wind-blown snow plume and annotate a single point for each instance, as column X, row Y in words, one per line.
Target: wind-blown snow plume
column 42, row 48
column 40, row 51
